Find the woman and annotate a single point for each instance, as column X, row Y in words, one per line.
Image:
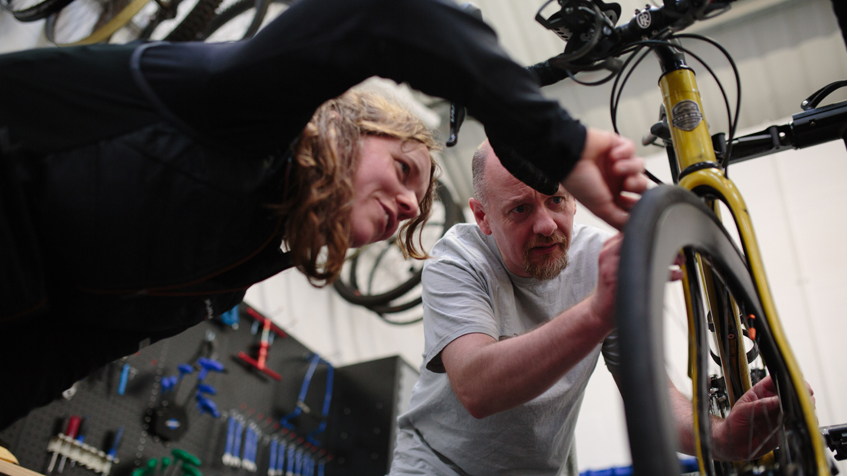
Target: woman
column 126, row 168
column 361, row 169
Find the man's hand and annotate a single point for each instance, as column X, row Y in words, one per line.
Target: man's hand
column 603, row 299
column 608, row 167
column 750, row 430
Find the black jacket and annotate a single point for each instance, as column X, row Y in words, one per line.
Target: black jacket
column 142, row 171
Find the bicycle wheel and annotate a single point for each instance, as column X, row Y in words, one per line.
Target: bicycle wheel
column 379, row 274
column 33, row 10
column 243, row 19
column 85, row 22
column 668, row 219
column 169, row 20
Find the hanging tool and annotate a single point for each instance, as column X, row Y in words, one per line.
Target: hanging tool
column 53, row 459
column 236, row 445
column 230, row 318
column 246, row 455
column 280, row 459
column 267, row 339
column 182, row 461
column 183, row 369
column 73, row 427
column 291, row 455
column 298, row 461
column 272, row 453
column 205, row 405
column 80, row 439
column 149, row 468
column 127, row 372
column 230, row 441
column 190, row 471
column 325, row 410
column 111, row 456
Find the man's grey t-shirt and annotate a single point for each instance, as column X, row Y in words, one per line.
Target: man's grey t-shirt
column 467, row 289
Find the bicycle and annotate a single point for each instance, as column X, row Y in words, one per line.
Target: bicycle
column 725, row 289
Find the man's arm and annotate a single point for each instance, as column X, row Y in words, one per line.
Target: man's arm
column 490, row 376
column 748, row 432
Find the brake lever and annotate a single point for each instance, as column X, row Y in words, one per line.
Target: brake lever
column 812, row 101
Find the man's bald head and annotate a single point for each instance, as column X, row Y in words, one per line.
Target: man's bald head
column 478, row 165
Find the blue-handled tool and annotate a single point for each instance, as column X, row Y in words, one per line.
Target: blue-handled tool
column 230, row 440
column 236, row 445
column 273, row 453
column 207, row 365
column 113, row 451
column 207, row 406
column 280, row 459
column 124, row 378
column 80, row 436
column 206, row 388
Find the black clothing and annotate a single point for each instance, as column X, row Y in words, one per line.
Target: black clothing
column 144, row 169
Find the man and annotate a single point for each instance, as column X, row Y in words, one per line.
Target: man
column 517, row 310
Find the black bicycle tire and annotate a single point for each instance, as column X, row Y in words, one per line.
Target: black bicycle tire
column 664, row 221
column 39, row 11
column 231, row 12
column 195, row 22
column 226, row 15
column 451, row 216
column 102, row 30
column 395, row 308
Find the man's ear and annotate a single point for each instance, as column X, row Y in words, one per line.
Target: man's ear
column 479, row 215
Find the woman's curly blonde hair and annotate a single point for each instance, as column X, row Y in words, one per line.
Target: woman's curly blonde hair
column 320, row 185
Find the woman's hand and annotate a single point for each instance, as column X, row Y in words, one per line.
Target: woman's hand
column 606, row 175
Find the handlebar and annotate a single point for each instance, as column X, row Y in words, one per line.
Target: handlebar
column 808, row 128
column 588, row 27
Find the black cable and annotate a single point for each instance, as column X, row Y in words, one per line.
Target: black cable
column 399, row 323
column 732, row 120
column 595, row 83
column 733, row 124
column 653, row 177
column 615, row 99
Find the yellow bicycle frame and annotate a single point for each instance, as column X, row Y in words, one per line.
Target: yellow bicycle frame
column 692, row 144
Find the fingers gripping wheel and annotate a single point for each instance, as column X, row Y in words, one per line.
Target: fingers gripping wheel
column 666, row 220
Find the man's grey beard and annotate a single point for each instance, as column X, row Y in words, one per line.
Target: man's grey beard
column 546, row 269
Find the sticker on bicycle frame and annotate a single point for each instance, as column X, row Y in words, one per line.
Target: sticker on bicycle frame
column 686, row 115
column 644, row 19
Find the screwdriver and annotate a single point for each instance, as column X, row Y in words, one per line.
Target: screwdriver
column 73, row 426
column 113, row 452
column 80, row 438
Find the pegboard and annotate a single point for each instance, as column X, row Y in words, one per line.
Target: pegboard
column 241, row 389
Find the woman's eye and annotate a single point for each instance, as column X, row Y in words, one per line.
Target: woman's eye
column 404, row 167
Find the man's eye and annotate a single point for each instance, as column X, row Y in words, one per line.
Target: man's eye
column 558, row 200
column 404, row 167
column 519, row 209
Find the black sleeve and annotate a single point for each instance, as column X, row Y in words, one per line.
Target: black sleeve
column 256, row 95
column 840, row 8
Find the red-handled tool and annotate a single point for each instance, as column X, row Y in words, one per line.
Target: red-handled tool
column 264, row 345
